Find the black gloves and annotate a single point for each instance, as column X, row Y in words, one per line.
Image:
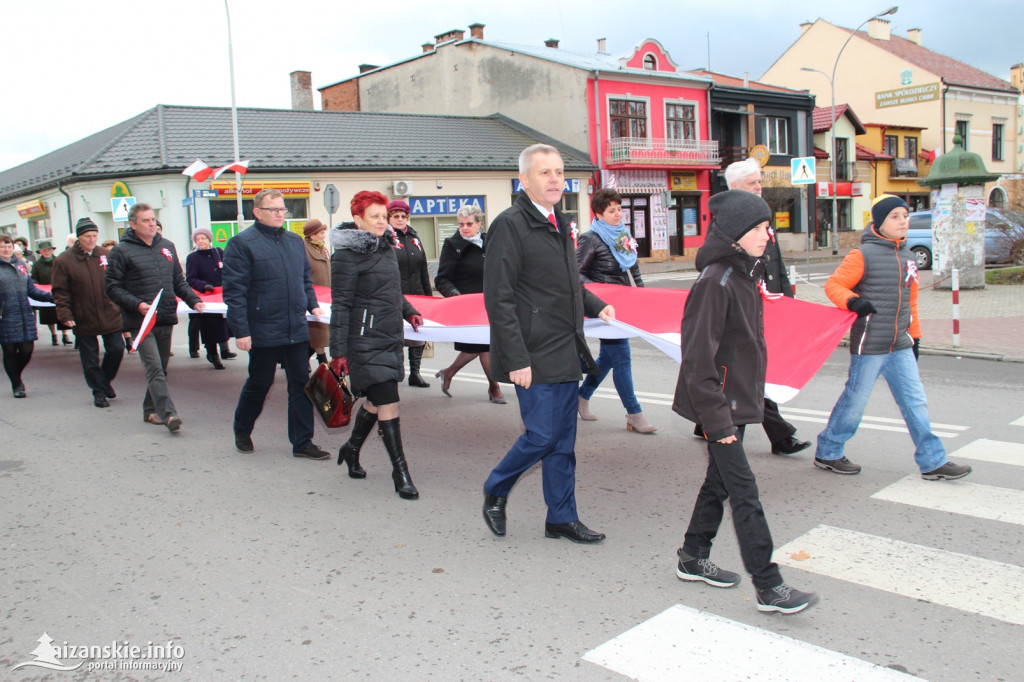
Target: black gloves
column 917, row 349
column 860, row 306
column 208, row 289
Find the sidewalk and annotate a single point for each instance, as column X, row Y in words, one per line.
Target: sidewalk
column 991, row 319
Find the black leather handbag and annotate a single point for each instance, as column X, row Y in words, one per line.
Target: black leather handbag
column 330, row 397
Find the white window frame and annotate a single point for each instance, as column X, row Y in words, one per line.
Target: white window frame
column 680, row 143
column 767, row 136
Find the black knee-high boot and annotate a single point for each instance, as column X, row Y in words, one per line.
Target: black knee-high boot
column 415, row 356
column 348, row 453
column 391, row 433
column 212, row 356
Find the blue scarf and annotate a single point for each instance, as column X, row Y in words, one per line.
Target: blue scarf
column 611, row 236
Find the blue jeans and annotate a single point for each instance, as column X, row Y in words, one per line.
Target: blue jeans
column 614, row 355
column 900, row 371
column 549, row 418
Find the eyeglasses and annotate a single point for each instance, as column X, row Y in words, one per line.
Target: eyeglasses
column 269, row 209
column 399, row 215
column 462, row 224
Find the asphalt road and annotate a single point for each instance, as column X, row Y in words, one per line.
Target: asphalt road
column 264, row 566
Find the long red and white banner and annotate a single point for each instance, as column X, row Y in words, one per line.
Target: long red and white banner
column 800, row 335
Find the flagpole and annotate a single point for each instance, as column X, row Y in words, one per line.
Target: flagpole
column 234, row 119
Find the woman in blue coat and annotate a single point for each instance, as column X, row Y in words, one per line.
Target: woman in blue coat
column 17, row 323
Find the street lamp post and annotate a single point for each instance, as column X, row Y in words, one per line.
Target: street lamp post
column 832, row 127
column 234, row 119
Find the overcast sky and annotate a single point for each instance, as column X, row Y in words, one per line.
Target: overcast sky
column 73, row 68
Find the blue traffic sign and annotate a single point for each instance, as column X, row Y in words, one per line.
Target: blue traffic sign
column 801, row 170
column 187, row 201
column 205, row 193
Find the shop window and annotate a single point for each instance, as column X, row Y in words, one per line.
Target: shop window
column 681, row 121
column 776, row 135
column 10, row 230
column 226, row 210
column 997, row 141
column 628, row 118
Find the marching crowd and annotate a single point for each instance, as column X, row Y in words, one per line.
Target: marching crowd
column 530, row 266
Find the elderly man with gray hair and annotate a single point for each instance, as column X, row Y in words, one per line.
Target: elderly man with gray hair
column 746, row 176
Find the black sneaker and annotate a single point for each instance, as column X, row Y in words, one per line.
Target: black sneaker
column 784, row 599
column 311, row 452
column 243, row 443
column 840, row 466
column 947, row 471
column 693, row 569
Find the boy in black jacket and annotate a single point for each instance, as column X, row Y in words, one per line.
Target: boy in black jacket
column 721, row 386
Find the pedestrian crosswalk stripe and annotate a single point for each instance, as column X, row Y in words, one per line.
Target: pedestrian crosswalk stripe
column 1017, row 422
column 882, row 420
column 682, row 643
column 910, row 570
column 961, row 497
column 985, row 450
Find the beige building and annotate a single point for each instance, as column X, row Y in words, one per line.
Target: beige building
column 896, row 81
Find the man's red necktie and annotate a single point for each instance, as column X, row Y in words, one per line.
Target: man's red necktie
column 551, row 218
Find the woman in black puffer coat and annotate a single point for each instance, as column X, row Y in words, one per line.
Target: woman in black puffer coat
column 367, row 310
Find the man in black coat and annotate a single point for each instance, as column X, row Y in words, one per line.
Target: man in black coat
column 268, row 289
column 141, row 265
column 535, row 306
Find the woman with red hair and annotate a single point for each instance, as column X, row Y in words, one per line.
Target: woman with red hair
column 367, row 310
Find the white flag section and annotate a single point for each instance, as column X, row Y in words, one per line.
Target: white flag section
column 147, row 322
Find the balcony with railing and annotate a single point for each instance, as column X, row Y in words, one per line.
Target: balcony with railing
column 623, row 152
column 903, row 169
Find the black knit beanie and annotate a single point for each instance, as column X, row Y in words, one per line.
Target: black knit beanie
column 737, row 212
column 883, row 206
column 85, row 225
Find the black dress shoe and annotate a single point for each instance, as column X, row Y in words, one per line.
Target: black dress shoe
column 574, row 530
column 227, row 355
column 19, row 391
column 698, row 431
column 494, row 513
column 311, row 452
column 100, row 401
column 790, row 446
column 243, row 442
column 109, row 390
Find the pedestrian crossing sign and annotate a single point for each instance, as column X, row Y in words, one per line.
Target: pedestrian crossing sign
column 119, row 207
column 801, row 170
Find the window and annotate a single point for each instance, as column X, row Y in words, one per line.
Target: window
column 650, row 63
column 910, row 148
column 226, row 210
column 776, row 135
column 40, row 229
column 629, row 118
column 681, row 121
column 890, row 145
column 842, row 159
column 997, row 141
column 962, row 128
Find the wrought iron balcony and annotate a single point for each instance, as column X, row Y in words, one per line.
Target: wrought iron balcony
column 903, row 168
column 646, row 151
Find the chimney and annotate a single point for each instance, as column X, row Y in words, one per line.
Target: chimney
column 914, row 35
column 601, row 47
column 804, row 26
column 302, row 90
column 1017, row 76
column 552, row 43
column 428, row 47
column 449, row 35
column 363, row 68
column 476, row 31
column 746, row 79
column 878, row 29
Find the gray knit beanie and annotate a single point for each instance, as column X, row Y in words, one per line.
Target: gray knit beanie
column 736, row 212
column 85, row 225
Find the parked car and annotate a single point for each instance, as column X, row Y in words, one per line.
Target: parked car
column 1004, row 237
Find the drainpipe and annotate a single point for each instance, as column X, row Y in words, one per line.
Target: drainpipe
column 597, row 122
column 71, row 220
column 944, row 91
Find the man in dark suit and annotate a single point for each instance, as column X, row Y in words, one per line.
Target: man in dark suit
column 535, row 305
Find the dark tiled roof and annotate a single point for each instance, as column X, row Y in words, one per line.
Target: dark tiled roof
column 823, row 120
column 166, row 139
column 950, row 70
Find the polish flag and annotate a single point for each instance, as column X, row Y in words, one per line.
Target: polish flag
column 240, row 167
column 147, row 322
column 198, row 171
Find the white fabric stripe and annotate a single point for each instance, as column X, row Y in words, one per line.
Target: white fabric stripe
column 682, row 643
column 1017, row 422
column 910, row 570
column 985, row 450
column 959, row 497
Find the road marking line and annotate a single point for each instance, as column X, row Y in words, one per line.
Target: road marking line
column 961, row 497
column 682, row 643
column 882, row 420
column 986, row 450
column 988, row 588
column 1017, row 422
